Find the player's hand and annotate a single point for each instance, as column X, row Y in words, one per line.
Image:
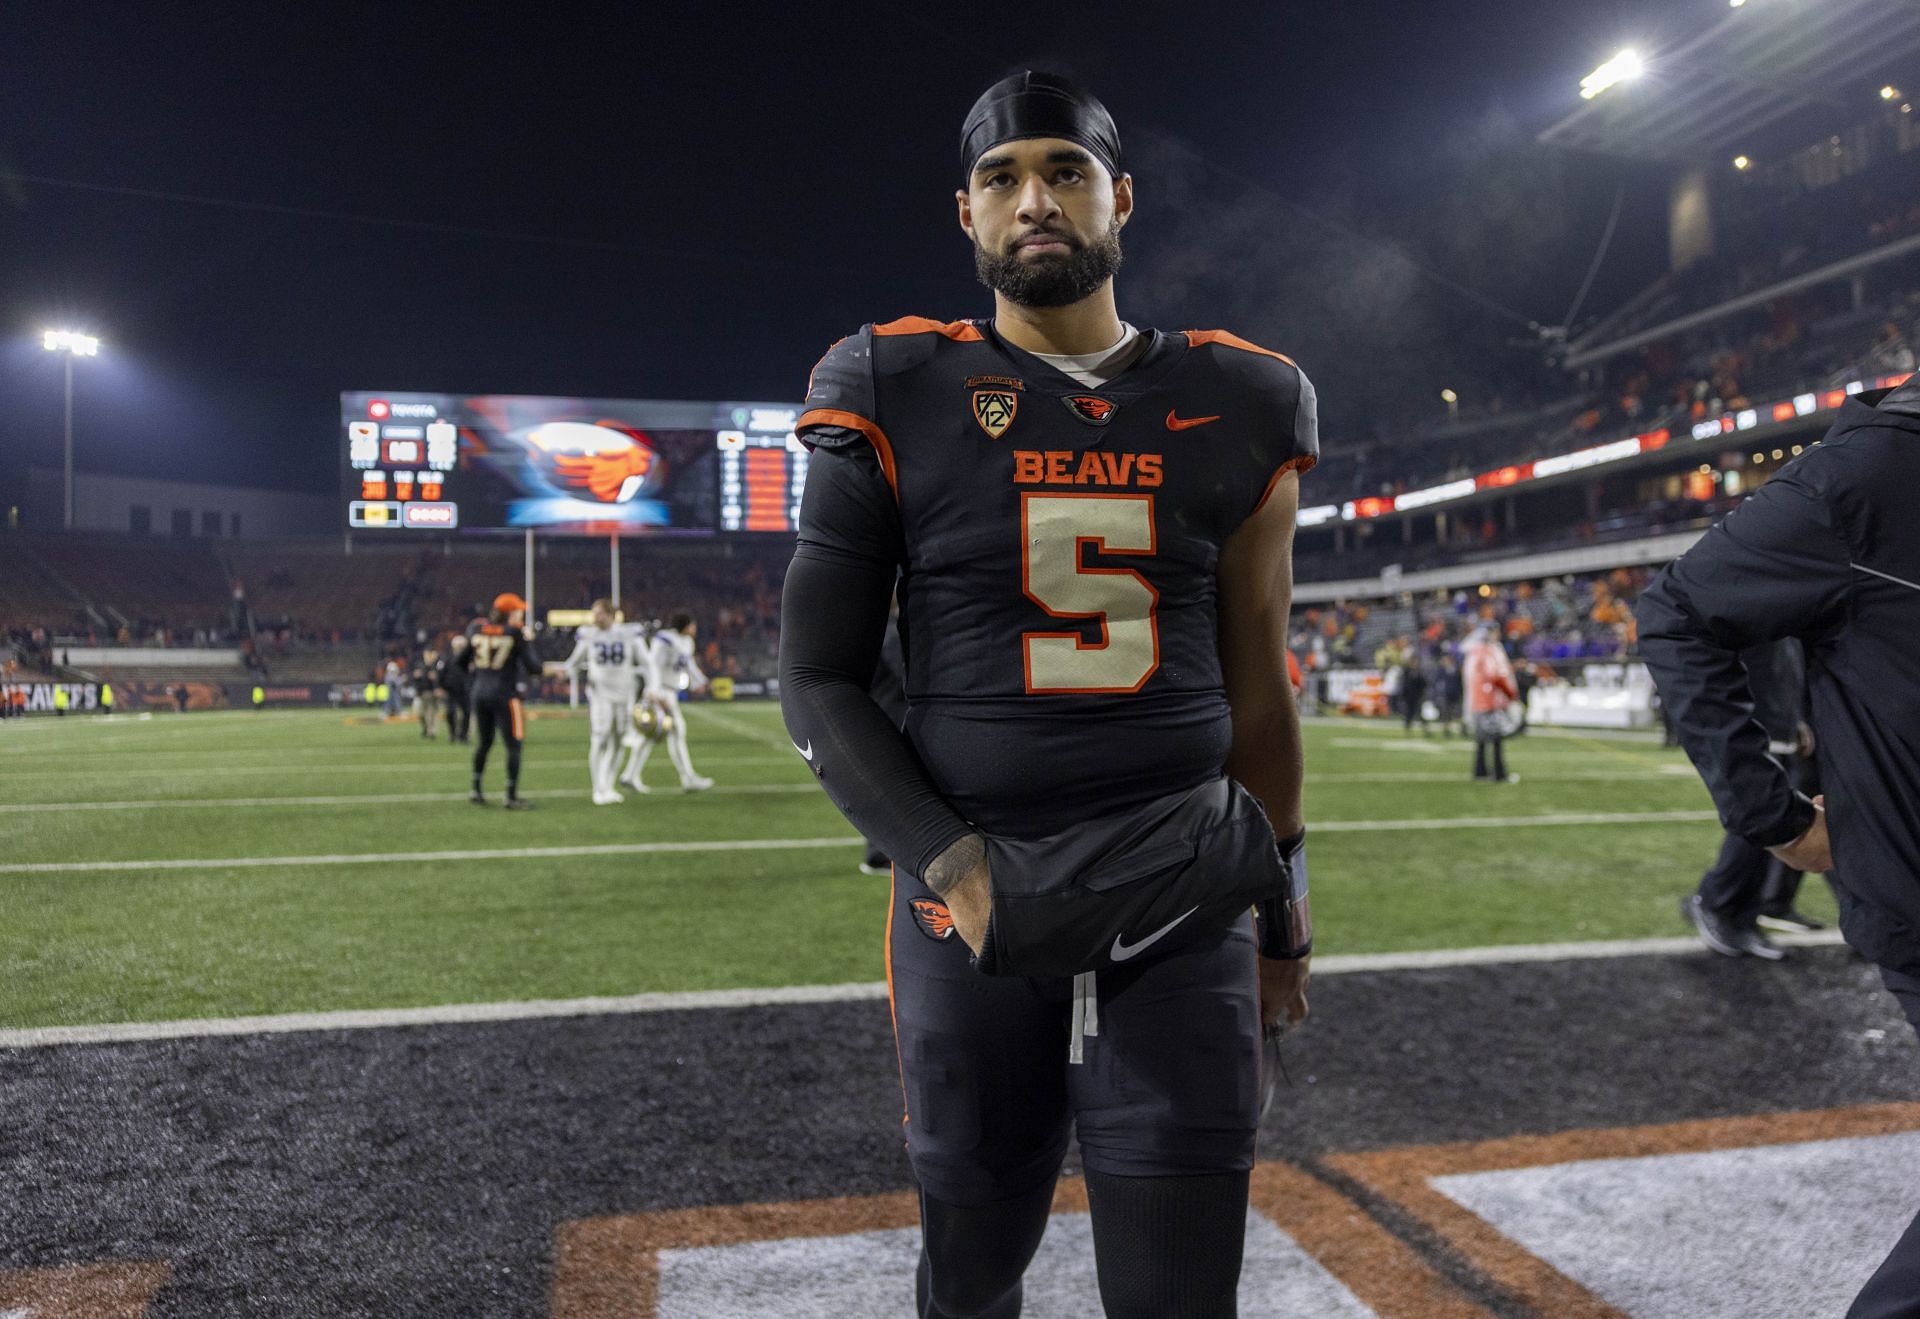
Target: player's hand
column 1811, row 851
column 1283, row 989
column 971, row 903
column 969, row 899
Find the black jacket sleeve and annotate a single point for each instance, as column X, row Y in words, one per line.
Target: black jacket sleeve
column 1775, row 567
column 833, row 614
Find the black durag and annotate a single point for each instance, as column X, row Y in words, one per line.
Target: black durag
column 1034, row 104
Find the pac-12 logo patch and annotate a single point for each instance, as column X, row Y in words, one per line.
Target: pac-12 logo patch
column 1093, row 411
column 933, row 918
column 994, row 409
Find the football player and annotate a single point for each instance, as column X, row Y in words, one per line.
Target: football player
column 672, row 664
column 1094, row 807
column 499, row 657
column 612, row 653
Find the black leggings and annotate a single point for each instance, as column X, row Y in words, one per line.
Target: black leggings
column 509, row 718
column 1164, row 1248
column 1499, row 758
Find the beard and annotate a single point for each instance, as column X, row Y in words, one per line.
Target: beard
column 1051, row 281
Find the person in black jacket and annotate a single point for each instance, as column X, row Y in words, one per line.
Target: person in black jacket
column 452, row 676
column 1726, row 909
column 1828, row 552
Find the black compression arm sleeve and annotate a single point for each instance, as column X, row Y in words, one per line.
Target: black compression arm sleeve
column 833, row 615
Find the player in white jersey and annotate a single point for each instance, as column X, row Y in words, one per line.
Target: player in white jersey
column 614, row 656
column 674, row 666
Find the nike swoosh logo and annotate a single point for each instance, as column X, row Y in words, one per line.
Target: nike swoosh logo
column 1186, row 423
column 806, row 752
column 1121, row 952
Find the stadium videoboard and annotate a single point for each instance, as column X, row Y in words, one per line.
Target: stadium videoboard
column 495, row 462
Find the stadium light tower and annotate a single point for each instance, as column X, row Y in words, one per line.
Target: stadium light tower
column 74, row 345
column 1623, row 67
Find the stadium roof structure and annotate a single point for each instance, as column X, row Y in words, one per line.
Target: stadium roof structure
column 1764, row 64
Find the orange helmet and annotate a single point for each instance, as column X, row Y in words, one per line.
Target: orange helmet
column 506, row 602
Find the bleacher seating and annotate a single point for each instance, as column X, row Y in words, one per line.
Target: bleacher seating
column 178, row 585
column 29, row 595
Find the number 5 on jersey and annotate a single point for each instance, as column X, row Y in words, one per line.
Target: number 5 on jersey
column 1055, row 530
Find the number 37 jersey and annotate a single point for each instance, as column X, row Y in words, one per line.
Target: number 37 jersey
column 1060, row 546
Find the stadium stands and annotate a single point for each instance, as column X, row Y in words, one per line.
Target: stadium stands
column 164, row 590
column 314, row 612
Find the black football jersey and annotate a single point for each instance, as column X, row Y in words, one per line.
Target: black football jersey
column 501, row 659
column 1060, row 549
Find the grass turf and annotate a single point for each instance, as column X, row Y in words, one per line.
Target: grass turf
column 213, row 940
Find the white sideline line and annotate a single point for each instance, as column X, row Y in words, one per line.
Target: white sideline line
column 1500, row 954
column 774, row 844
column 32, row 1037
column 473, row 854
column 1509, row 821
column 369, row 799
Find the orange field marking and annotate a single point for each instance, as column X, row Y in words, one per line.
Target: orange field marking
column 609, row 1268
column 1405, row 1177
column 1372, row 1263
column 118, row 1290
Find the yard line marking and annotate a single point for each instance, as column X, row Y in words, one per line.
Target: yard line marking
column 307, row 768
column 772, row 844
column 739, row 727
column 31, row 1037
column 472, row 854
column 376, row 798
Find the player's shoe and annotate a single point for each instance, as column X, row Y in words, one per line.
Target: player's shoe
column 519, row 804
column 1790, row 921
column 698, row 783
column 607, row 799
column 868, row 868
column 635, row 785
column 477, row 797
column 1725, row 937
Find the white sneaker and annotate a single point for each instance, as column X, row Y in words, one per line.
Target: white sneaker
column 698, row 783
column 636, row 785
column 607, row 799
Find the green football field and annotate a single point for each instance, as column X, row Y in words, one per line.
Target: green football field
column 208, row 865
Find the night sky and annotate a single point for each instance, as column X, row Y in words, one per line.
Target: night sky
column 681, row 201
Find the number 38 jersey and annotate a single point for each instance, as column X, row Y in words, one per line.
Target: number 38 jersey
column 1059, row 545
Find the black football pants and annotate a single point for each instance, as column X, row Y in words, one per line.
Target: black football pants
column 1893, row 1292
column 509, row 719
column 1164, row 1097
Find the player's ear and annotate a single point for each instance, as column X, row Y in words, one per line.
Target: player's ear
column 965, row 204
column 1123, row 199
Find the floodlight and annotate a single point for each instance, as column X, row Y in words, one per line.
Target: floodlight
column 1448, row 396
column 1742, row 162
column 1622, row 67
column 83, row 345
column 1889, row 93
